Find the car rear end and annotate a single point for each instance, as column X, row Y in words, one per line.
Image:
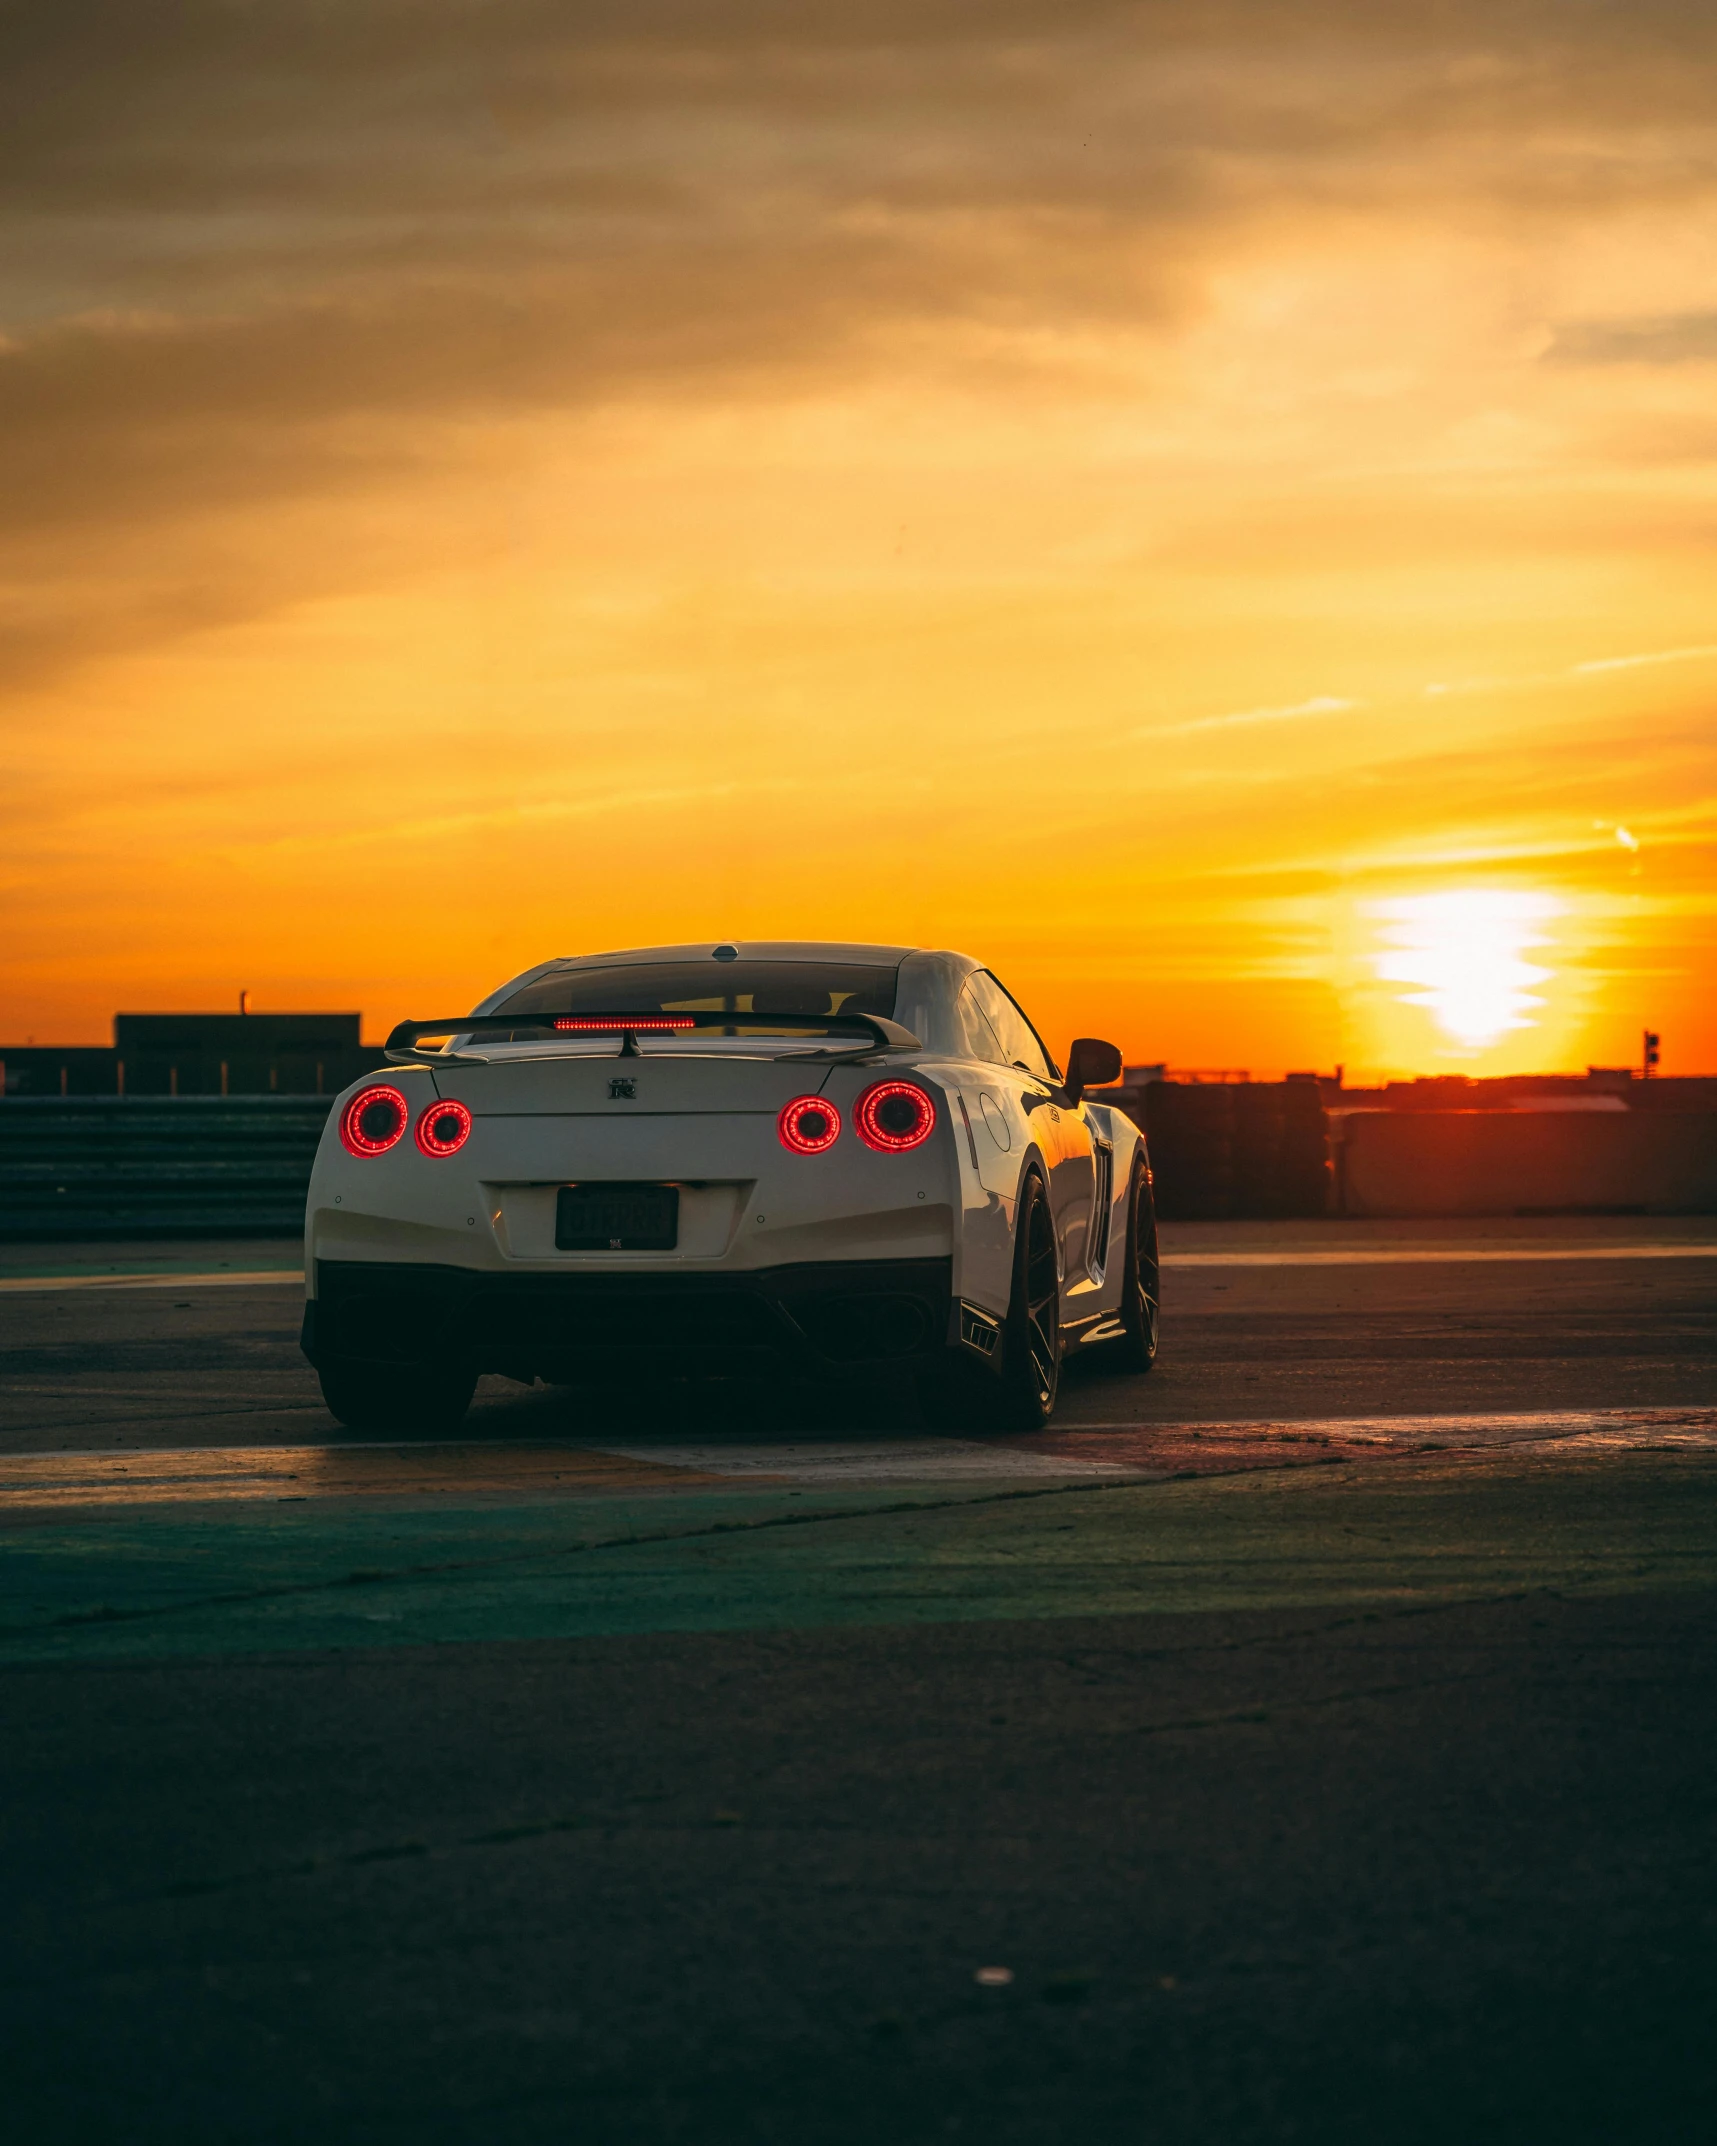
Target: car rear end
column 752, row 1192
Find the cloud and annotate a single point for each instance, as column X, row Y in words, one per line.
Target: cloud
column 1674, row 339
column 1319, row 704
column 1593, row 667
column 1701, row 653
column 262, row 256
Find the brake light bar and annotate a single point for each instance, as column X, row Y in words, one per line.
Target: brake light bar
column 618, row 1024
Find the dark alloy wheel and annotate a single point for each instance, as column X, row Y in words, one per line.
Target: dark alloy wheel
column 1018, row 1393
column 1031, row 1340
column 1140, row 1288
column 395, row 1398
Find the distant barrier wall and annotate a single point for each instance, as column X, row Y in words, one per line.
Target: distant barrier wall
column 1488, row 1162
column 110, row 1166
column 1234, row 1148
column 30, row 1071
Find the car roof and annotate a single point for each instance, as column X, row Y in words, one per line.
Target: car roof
column 745, row 950
column 952, row 967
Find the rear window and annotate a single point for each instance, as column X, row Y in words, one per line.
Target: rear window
column 725, row 998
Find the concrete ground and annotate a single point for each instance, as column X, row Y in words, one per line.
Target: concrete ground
column 1314, row 1740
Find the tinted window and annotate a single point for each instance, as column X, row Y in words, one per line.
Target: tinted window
column 1014, row 1033
column 726, row 997
column 981, row 1039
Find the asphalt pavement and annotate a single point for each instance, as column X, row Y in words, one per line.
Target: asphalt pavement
column 1313, row 1740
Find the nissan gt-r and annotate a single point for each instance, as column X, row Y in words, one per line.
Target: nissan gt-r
column 828, row 1160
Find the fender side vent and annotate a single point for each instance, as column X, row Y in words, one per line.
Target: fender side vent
column 978, row 1330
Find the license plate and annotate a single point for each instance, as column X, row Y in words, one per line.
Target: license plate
column 617, row 1218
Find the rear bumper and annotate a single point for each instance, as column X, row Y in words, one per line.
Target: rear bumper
column 823, row 1316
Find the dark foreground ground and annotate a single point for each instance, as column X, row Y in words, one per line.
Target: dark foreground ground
column 568, row 1784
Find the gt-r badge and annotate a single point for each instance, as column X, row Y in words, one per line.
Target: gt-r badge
column 622, row 1091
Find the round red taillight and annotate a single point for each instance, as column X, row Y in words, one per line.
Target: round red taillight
column 809, row 1124
column 373, row 1121
column 895, row 1115
column 443, row 1128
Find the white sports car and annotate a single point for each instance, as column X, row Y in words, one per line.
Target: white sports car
column 688, row 1159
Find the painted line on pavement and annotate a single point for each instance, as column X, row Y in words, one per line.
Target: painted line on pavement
column 1379, row 1256
column 891, row 1460
column 1122, row 1451
column 1697, row 1425
column 1069, row 1454
column 302, row 1474
column 755, row 1456
column 561, row 1468
column 264, row 1277
column 1428, row 1256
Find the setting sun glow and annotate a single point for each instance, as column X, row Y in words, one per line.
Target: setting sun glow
column 1466, row 951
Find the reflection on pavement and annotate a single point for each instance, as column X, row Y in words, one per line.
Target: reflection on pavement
column 483, row 1471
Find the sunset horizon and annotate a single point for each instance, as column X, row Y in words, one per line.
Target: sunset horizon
column 1206, row 510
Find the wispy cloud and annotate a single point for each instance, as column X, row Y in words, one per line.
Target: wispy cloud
column 1593, row 667
column 1295, row 711
column 1668, row 339
column 444, row 826
column 1699, row 654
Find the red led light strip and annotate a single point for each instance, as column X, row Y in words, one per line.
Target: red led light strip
column 875, row 1135
column 615, row 1024
column 354, row 1139
column 431, row 1139
column 790, row 1125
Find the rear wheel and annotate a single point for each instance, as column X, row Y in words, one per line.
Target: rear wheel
column 1137, row 1350
column 396, row 1397
column 1023, row 1397
column 1020, row 1395
column 1031, row 1368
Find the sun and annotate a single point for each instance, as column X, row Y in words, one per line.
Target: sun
column 1467, row 952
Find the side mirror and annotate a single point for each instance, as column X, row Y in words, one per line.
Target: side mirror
column 1091, row 1063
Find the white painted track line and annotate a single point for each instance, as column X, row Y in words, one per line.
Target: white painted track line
column 856, row 1463
column 33, row 1284
column 1357, row 1256
column 1437, row 1256
column 1152, row 1448
column 833, row 1463
column 1626, row 1425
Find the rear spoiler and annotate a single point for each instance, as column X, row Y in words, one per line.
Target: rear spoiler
column 403, row 1043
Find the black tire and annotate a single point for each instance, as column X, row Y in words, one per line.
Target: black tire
column 1140, row 1279
column 396, row 1398
column 1024, row 1395
column 1020, row 1393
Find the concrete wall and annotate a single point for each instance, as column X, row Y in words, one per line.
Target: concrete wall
column 1233, row 1149
column 1492, row 1162
column 106, row 1166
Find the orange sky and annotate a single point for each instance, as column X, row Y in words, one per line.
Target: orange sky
column 1208, row 507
